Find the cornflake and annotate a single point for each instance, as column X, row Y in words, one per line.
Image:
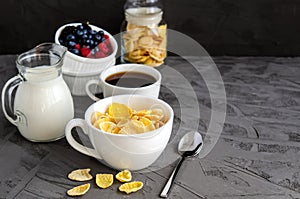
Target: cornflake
column 79, row 190
column 104, row 180
column 80, row 175
column 119, row 111
column 124, row 176
column 130, row 187
column 121, row 119
column 145, row 45
column 97, row 115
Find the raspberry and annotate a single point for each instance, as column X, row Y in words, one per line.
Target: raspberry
column 100, row 54
column 85, row 51
column 103, row 47
column 106, row 37
column 108, row 45
column 77, row 46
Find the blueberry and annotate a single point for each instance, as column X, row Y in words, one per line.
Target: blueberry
column 96, row 49
column 67, row 30
column 70, row 37
column 92, row 32
column 97, row 37
column 83, row 41
column 88, row 42
column 79, row 41
column 71, row 44
column 79, row 32
column 101, row 32
column 75, row 51
column 84, row 37
column 80, row 27
column 87, row 46
column 93, row 51
column 85, row 31
column 92, row 43
column 90, row 36
column 96, row 43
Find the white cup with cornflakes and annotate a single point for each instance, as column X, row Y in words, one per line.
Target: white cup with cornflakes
column 126, row 79
column 133, row 151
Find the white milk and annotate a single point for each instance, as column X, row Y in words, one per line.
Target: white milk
column 44, row 108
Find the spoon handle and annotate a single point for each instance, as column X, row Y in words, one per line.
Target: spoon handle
column 164, row 193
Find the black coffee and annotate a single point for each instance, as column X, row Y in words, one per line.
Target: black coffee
column 130, row 79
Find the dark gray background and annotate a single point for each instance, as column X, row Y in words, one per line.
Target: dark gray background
column 223, row 27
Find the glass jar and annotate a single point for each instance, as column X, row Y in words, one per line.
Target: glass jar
column 143, row 33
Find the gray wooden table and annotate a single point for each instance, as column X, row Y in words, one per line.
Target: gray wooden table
column 256, row 156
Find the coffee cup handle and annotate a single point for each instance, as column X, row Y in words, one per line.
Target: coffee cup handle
column 79, row 147
column 87, row 88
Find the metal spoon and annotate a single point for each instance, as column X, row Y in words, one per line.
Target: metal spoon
column 189, row 146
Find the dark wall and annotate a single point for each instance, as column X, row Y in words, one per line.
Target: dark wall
column 223, row 27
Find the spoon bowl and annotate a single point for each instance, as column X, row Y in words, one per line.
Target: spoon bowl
column 190, row 144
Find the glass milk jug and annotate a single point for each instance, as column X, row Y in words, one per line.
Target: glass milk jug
column 143, row 33
column 42, row 104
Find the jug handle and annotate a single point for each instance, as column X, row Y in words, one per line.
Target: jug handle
column 9, row 86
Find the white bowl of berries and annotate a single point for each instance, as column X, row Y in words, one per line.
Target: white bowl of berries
column 90, row 50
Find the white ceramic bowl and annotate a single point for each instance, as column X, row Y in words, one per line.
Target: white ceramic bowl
column 134, row 152
column 78, row 67
column 77, row 82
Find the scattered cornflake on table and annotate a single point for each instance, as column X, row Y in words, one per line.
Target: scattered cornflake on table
column 79, row 190
column 104, row 180
column 80, row 175
column 130, row 187
column 124, row 176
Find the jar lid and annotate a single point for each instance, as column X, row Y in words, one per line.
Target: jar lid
column 144, row 16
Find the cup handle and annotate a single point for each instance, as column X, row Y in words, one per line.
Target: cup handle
column 9, row 86
column 79, row 147
column 87, row 88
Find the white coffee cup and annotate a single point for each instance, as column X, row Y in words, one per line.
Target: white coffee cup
column 151, row 90
column 120, row 151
